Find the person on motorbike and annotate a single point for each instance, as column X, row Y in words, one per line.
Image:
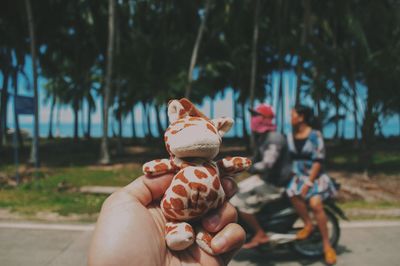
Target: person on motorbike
column 271, row 167
column 309, row 185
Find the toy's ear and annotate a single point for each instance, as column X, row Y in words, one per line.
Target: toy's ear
column 223, row 124
column 191, row 108
column 175, row 111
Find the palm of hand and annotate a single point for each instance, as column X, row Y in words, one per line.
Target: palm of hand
column 130, row 231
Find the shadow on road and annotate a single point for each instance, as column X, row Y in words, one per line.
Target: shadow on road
column 280, row 257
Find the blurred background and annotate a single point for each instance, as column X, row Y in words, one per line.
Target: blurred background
column 84, row 87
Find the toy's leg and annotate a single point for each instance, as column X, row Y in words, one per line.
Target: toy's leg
column 203, row 239
column 158, row 167
column 179, row 235
column 232, row 165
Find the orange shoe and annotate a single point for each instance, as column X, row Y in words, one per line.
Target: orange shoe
column 304, row 233
column 330, row 256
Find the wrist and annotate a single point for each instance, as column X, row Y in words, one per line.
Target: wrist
column 309, row 183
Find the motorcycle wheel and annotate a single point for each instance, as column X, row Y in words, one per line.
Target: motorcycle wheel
column 312, row 246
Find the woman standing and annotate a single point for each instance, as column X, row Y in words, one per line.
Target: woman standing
column 309, row 182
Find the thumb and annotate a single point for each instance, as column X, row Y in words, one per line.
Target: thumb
column 146, row 189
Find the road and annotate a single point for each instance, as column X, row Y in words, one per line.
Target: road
column 362, row 243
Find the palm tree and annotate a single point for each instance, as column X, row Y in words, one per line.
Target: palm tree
column 105, row 156
column 34, row 158
column 196, row 49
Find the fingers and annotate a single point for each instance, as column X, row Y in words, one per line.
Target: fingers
column 230, row 238
column 217, row 219
column 229, row 185
column 146, row 189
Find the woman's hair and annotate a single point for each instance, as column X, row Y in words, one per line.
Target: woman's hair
column 308, row 115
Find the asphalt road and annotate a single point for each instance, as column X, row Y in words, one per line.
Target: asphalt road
column 362, row 243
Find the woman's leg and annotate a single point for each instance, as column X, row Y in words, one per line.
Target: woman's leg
column 319, row 213
column 300, row 206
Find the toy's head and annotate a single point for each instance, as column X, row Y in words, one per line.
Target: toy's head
column 192, row 134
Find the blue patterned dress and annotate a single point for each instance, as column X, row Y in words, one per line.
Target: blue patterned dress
column 313, row 150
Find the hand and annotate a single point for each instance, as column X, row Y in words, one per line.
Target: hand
column 130, row 229
column 304, row 191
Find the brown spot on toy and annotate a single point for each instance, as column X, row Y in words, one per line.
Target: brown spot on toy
column 177, row 204
column 169, row 214
column 181, row 176
column 161, row 167
column 180, row 190
column 210, row 169
column 188, row 228
column 211, row 128
column 238, row 162
column 216, row 184
column 182, row 113
column 198, row 186
column 170, row 228
column 166, row 205
column 195, row 119
column 200, row 174
column 207, row 238
column 188, row 125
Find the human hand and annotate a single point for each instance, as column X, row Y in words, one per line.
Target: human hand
column 130, row 229
column 304, row 190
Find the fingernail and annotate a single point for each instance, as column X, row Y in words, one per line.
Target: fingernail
column 219, row 242
column 213, row 221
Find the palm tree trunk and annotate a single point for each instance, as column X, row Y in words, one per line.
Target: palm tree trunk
column 58, row 118
column 133, row 123
column 368, row 130
column 235, row 116
column 244, row 122
column 354, row 99
column 53, row 104
column 254, row 55
column 105, row 156
column 212, row 107
column 17, row 127
column 158, row 120
column 144, row 120
column 148, row 119
column 76, row 121
column 303, row 40
column 281, row 102
column 89, row 121
column 120, row 148
column 195, row 51
column 254, row 63
column 3, row 109
column 35, row 143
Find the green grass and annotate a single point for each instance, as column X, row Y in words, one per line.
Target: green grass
column 43, row 195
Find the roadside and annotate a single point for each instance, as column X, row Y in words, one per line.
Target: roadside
column 63, row 189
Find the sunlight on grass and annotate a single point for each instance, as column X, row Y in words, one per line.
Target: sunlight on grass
column 44, row 195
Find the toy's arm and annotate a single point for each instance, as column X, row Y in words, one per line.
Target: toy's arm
column 232, row 165
column 158, row 167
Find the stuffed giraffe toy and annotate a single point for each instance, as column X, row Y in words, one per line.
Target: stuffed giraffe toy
column 193, row 141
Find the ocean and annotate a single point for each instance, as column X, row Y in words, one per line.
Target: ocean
column 390, row 128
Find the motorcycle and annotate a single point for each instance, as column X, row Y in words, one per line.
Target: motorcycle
column 281, row 222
